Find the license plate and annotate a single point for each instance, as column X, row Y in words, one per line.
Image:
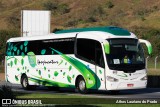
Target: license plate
column 130, row 85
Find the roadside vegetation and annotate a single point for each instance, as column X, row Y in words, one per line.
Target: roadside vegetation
column 57, row 98
column 60, row 99
column 6, row 92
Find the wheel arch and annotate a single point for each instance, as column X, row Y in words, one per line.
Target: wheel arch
column 23, row 74
column 76, row 81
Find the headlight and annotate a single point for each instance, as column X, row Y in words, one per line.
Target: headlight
column 144, row 78
column 111, row 79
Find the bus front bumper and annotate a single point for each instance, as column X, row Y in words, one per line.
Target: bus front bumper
column 126, row 85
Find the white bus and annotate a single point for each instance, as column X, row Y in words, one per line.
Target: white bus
column 102, row 58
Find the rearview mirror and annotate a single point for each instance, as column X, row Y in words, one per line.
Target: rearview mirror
column 106, row 47
column 148, row 44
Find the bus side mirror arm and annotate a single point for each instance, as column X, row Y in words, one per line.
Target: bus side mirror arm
column 148, row 44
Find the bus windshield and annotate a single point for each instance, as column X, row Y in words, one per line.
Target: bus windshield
column 125, row 55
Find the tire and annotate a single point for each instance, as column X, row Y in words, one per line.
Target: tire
column 25, row 84
column 81, row 85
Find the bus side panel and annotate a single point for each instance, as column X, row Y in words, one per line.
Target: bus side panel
column 62, row 70
column 53, row 70
column 14, row 69
column 50, row 70
column 47, row 70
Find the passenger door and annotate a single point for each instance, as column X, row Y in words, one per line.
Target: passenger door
column 100, row 67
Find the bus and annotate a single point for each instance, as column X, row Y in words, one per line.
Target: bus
column 100, row 58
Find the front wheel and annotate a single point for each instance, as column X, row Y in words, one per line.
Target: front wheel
column 81, row 86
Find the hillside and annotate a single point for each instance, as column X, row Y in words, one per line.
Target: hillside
column 139, row 16
column 82, row 13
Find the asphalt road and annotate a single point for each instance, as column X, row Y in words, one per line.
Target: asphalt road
column 136, row 93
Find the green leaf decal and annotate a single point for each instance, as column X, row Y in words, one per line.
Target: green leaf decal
column 43, row 52
column 18, row 69
column 11, row 46
column 22, row 62
column 70, row 67
column 49, row 75
column 25, row 43
column 69, row 79
column 18, row 52
column 100, row 71
column 25, row 49
column 66, row 63
column 22, row 54
column 16, row 78
column 31, row 59
column 45, row 68
column 72, row 76
column 60, row 62
column 55, row 73
column 64, row 73
column 15, row 61
column 9, row 53
column 15, row 48
column 21, row 47
column 9, row 43
column 28, row 70
column 39, row 72
column 123, row 75
column 52, row 52
column 11, row 63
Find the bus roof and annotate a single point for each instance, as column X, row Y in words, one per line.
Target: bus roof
column 117, row 31
column 96, row 33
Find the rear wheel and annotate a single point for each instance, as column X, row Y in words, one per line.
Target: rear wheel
column 25, row 84
column 81, row 85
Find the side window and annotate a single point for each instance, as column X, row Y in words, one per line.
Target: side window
column 40, row 47
column 86, row 49
column 44, row 47
column 17, row 48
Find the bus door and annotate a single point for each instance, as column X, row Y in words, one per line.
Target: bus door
column 100, row 68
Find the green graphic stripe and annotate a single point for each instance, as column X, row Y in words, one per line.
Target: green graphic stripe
column 47, row 82
column 110, row 29
column 87, row 73
column 124, row 75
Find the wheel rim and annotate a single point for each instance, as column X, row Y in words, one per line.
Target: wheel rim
column 82, row 85
column 25, row 82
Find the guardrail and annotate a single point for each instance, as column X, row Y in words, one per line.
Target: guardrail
column 156, row 62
